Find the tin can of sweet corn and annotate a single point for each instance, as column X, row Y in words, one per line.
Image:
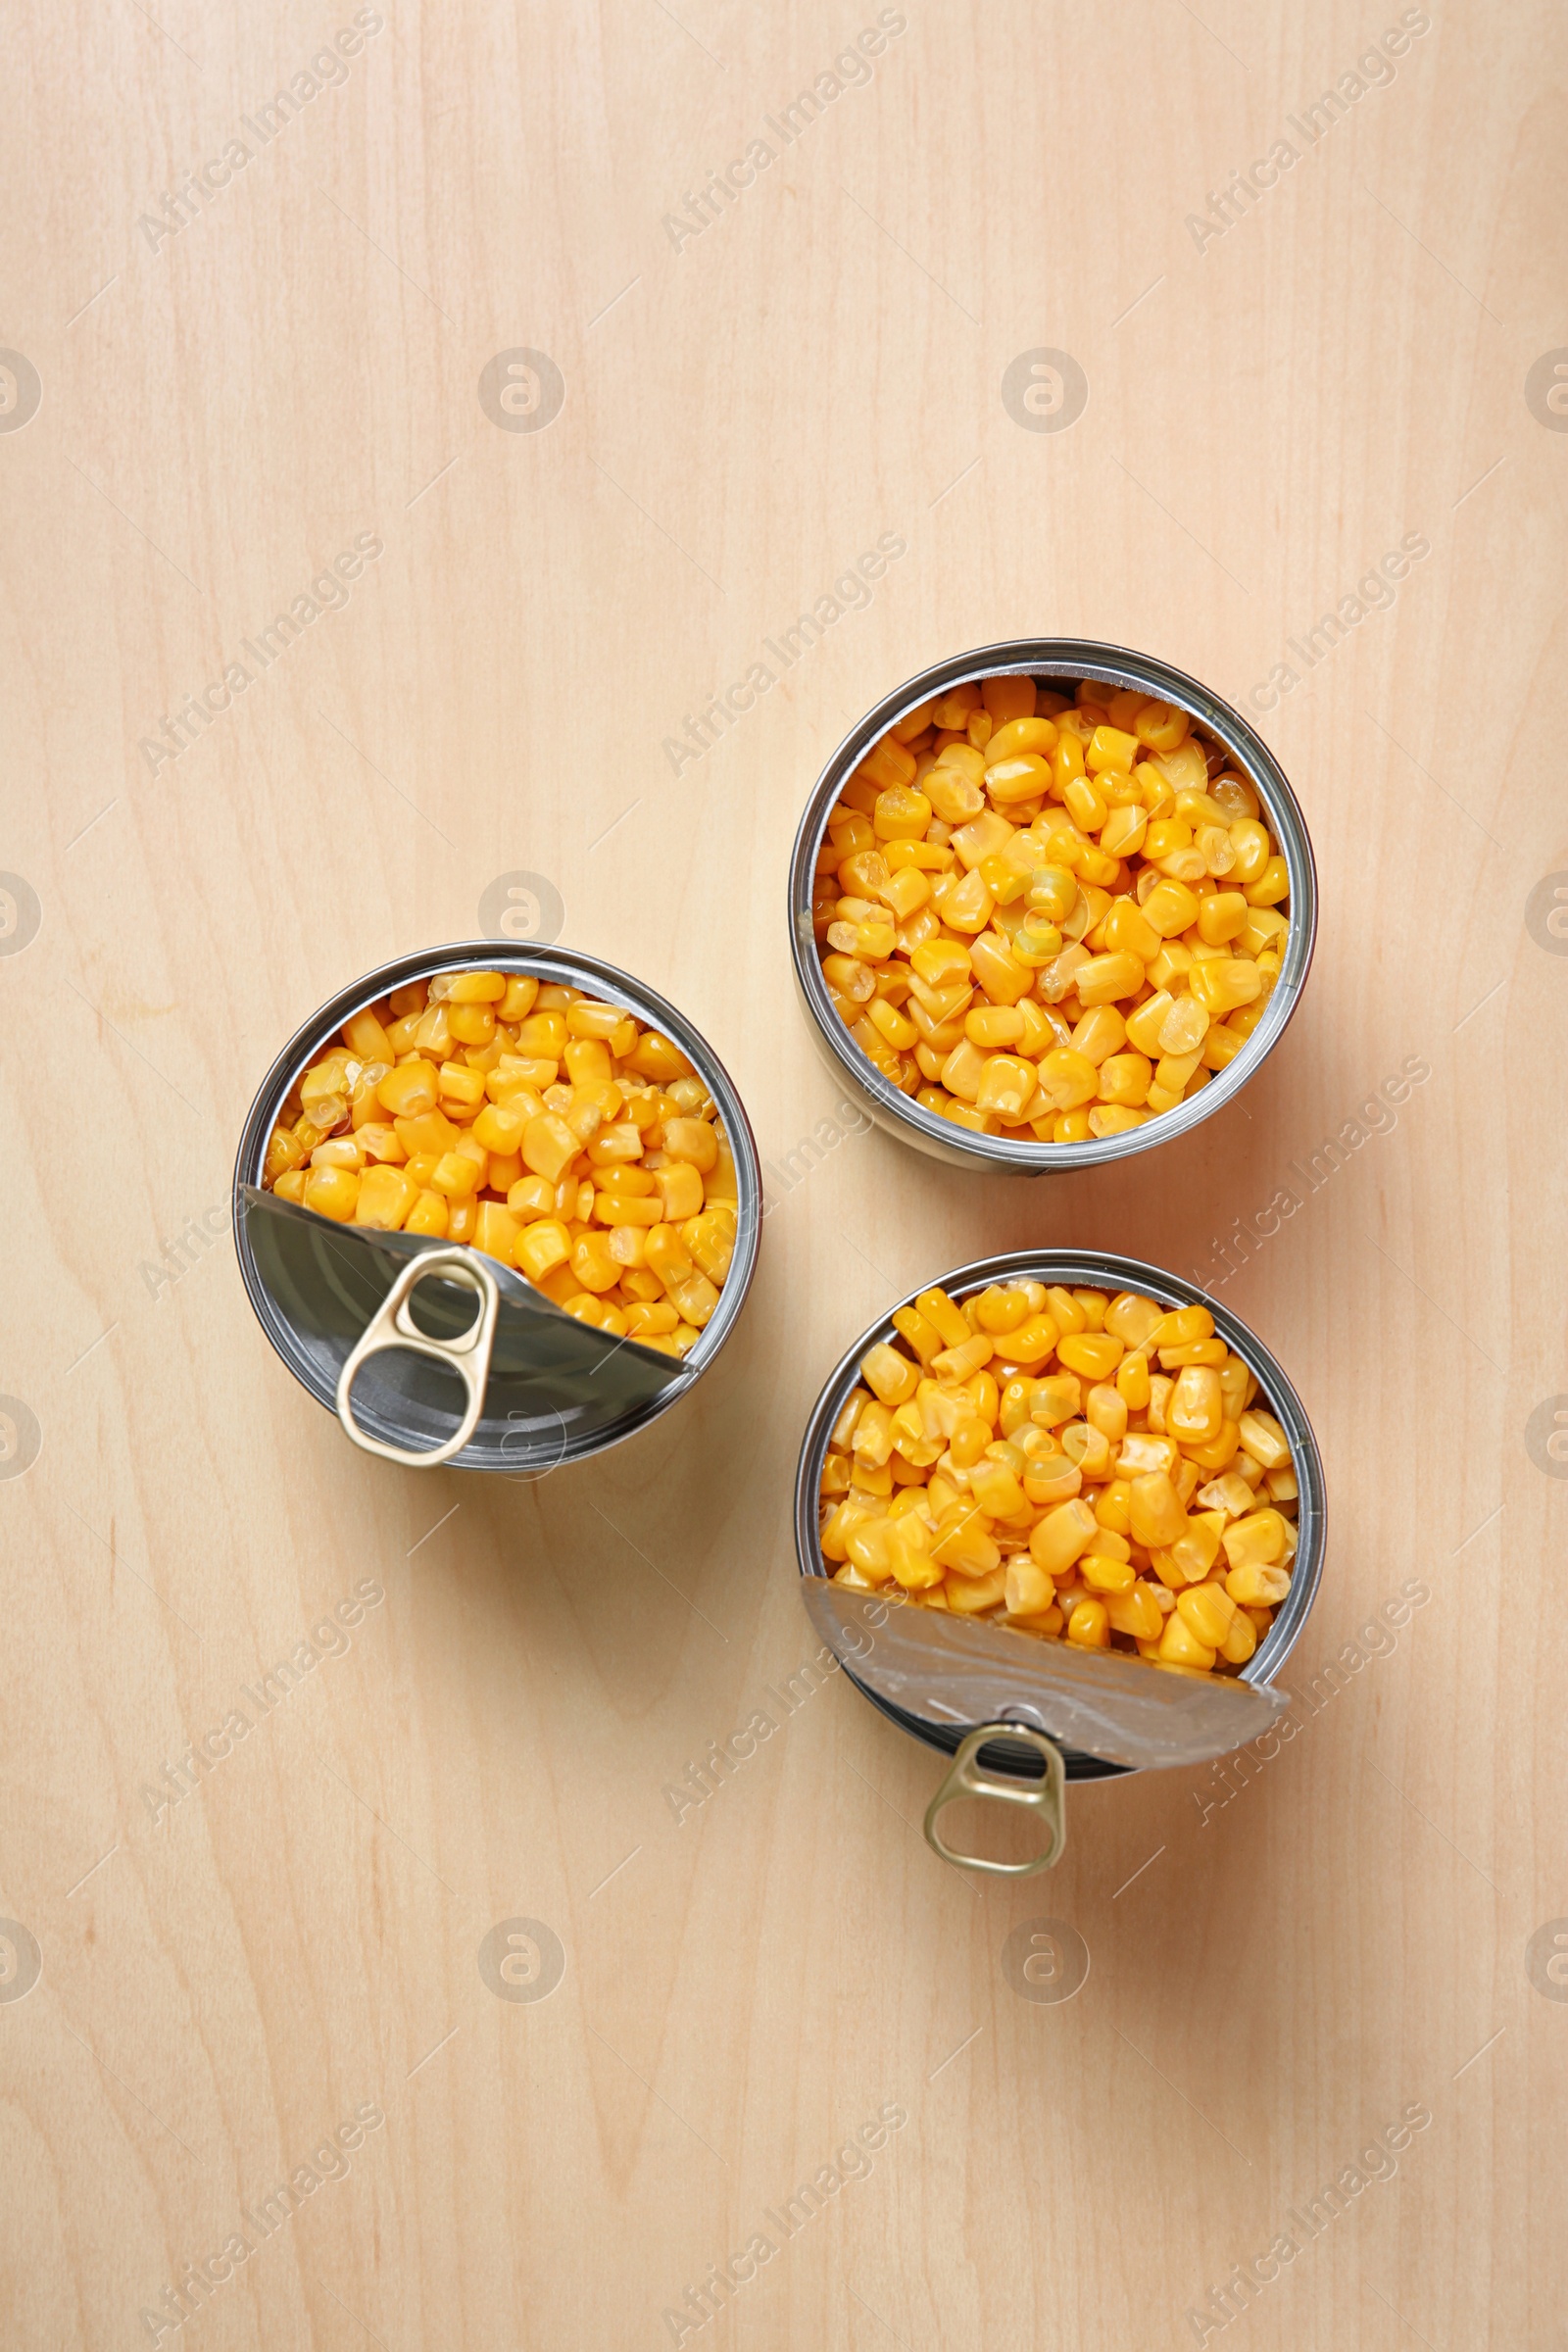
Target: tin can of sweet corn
column 1023, row 1716
column 452, row 1356
column 1056, row 664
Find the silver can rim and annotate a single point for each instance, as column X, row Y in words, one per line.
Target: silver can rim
column 569, row 968
column 1101, row 1270
column 1065, row 658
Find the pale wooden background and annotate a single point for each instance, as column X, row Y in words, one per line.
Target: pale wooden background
column 742, row 419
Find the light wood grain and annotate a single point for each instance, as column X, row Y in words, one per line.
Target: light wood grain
column 744, row 1989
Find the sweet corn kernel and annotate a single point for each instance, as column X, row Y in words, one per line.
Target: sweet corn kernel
column 443, row 1114
column 386, row 1196
column 332, row 1192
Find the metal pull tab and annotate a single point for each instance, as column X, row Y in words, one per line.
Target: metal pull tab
column 966, row 1779
column 468, row 1354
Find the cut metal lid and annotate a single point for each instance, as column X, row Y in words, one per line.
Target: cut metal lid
column 553, row 1381
column 955, row 1670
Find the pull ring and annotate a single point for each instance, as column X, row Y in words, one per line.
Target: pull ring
column 468, row 1354
column 1047, row 1796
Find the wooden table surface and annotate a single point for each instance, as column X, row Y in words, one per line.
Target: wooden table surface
column 207, row 397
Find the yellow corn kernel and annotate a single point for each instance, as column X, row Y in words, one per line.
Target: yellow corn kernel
column 1127, row 928
column 1135, row 1611
column 1088, row 1625
column 945, row 1318
column 1104, row 979
column 1146, row 1020
column 1155, row 1511
column 1272, row 884
column 1162, row 726
column 1067, row 1078
column 1109, row 747
column 471, row 1024
column 456, row 1175
column 364, row 1037
column 332, row 1192
column 1170, row 909
column 1062, row 1536
column 890, row 1375
column 1030, row 1342
column 645, row 1321
column 1179, row 1325
column 496, row 1231
column 1125, row 1078
column 1007, row 1083
column 667, row 1255
column 1024, row 734
column 1258, row 1541
column 468, row 987
column 428, row 1216
column 680, row 1191
column 1101, row 1033
column 1124, row 830
column 1224, row 984
column 385, row 1199
column 541, row 1248
column 531, row 1198
column 1106, row 1409
column 290, row 1185
column 1116, row 1118
column 409, row 1090
column 1196, row 1548
column 1240, row 1638
column 542, row 1035
column 997, row 1489
column 591, row 1263
column 1179, row 1645
column 1206, row 1610
column 972, row 1354
column 1265, row 1441
column 1131, row 1318
column 1094, row 1354
column 1027, row 1590
column 1221, row 916
column 1000, row 1311
column 1010, row 782
column 963, row 1542
column 549, row 1145
column 710, row 1241
column 1106, row 1576
column 433, row 1034
column 518, row 1001
column 991, row 1026
column 692, row 1141
column 627, row 1242
column 693, row 1299
column 1253, row 1585
column 499, row 1129
column 339, row 1152
column 1196, row 1410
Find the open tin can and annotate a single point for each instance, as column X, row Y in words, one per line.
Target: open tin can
column 1056, row 664
column 1023, row 1716
column 450, row 1355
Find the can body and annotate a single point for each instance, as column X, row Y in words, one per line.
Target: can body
column 505, row 1441
column 1092, row 1269
column 1053, row 662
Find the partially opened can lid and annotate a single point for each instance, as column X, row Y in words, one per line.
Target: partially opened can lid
column 1124, row 1710
column 553, row 1381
